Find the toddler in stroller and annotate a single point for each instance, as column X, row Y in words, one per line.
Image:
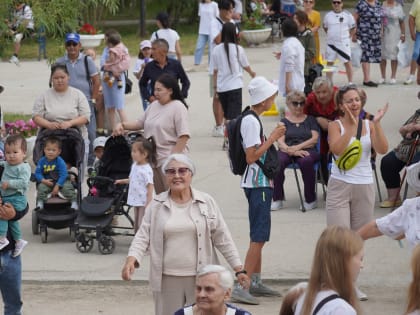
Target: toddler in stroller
column 59, row 190
column 106, row 200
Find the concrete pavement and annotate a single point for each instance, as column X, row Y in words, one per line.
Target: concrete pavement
column 288, row 255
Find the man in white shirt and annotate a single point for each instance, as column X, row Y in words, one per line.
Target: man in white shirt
column 340, row 27
column 292, row 60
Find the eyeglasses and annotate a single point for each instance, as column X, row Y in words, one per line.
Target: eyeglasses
column 336, row 2
column 74, row 44
column 181, row 171
column 296, row 104
column 308, row 1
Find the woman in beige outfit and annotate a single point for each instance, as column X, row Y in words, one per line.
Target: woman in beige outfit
column 181, row 229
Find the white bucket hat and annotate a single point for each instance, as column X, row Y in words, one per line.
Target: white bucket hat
column 99, row 142
column 260, row 89
column 413, row 176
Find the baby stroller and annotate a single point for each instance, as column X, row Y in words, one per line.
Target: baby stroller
column 105, row 200
column 57, row 213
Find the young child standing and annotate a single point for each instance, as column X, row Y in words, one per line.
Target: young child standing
column 143, row 58
column 52, row 176
column 14, row 185
column 140, row 190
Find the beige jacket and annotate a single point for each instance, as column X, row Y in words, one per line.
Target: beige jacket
column 212, row 232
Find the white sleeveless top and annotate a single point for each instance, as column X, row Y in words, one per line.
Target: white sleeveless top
column 362, row 172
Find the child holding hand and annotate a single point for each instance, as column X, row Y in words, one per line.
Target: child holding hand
column 140, row 190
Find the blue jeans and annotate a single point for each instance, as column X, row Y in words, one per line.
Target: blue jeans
column 202, row 40
column 10, row 283
column 91, row 128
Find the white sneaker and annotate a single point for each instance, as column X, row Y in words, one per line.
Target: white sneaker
column 381, row 81
column 40, row 204
column 410, row 80
column 309, row 206
column 49, row 196
column 14, row 60
column 392, row 81
column 20, row 245
column 60, row 195
column 218, row 131
column 361, row 295
column 3, row 243
column 276, row 205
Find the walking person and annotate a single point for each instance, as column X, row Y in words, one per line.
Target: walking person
column 84, row 76
column 314, row 24
column 229, row 59
column 207, row 11
column 258, row 188
column 414, row 28
column 393, row 32
column 143, row 58
column 168, row 34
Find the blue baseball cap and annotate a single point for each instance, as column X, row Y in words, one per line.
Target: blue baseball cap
column 73, row 37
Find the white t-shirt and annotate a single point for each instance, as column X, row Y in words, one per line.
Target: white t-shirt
column 339, row 26
column 238, row 9
column 404, row 220
column 169, row 34
column 140, row 176
column 229, row 77
column 207, row 11
column 139, row 63
column 250, row 132
column 216, row 26
column 292, row 60
column 334, row 307
column 25, row 14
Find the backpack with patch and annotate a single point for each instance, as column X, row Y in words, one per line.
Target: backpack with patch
column 236, row 152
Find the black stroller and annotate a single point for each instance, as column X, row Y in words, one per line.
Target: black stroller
column 105, row 200
column 57, row 213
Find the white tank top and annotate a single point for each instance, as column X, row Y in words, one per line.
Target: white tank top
column 362, row 172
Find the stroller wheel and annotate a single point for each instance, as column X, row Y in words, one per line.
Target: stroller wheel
column 35, row 223
column 72, row 233
column 106, row 245
column 84, row 243
column 44, row 234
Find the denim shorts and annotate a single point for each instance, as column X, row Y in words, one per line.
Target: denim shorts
column 259, row 201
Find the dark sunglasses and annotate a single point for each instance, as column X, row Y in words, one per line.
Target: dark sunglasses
column 182, row 171
column 296, row 104
column 68, row 44
column 336, row 2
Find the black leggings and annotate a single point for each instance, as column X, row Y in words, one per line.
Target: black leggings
column 391, row 167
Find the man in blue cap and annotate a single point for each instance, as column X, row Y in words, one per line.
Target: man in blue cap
column 85, row 77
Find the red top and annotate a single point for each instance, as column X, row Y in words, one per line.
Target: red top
column 316, row 109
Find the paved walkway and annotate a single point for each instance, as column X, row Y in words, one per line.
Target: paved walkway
column 289, row 253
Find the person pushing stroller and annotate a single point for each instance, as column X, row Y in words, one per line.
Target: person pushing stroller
column 52, row 176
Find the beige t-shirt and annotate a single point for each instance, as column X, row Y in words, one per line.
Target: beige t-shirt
column 180, row 242
column 57, row 107
column 166, row 123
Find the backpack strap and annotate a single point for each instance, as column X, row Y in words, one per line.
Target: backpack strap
column 325, row 301
column 87, row 71
column 220, row 20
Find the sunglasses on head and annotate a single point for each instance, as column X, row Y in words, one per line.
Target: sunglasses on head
column 347, row 87
column 296, row 104
column 336, row 2
column 74, row 44
column 182, row 171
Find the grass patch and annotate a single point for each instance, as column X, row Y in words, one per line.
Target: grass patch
column 8, row 117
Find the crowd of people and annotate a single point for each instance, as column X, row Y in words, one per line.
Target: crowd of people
column 181, row 228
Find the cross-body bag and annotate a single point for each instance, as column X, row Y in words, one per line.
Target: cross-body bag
column 325, row 301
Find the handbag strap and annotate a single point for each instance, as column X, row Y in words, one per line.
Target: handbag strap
column 325, row 301
column 359, row 130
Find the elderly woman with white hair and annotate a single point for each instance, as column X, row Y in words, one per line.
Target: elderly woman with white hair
column 181, row 229
column 213, row 287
